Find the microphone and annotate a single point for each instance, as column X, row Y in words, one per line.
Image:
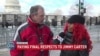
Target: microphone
column 60, row 36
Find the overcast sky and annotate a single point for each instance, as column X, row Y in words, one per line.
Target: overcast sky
column 66, row 6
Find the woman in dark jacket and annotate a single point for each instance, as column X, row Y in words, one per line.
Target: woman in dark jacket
column 75, row 33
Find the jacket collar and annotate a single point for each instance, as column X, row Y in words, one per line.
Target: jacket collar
column 32, row 24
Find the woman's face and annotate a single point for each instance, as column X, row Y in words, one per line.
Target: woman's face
column 70, row 27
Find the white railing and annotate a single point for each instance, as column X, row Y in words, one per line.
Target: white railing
column 6, row 34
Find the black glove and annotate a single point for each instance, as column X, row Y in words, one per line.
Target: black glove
column 62, row 34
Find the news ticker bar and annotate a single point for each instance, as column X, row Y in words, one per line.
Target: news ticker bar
column 51, row 47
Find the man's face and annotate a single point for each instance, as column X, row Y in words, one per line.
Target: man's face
column 39, row 17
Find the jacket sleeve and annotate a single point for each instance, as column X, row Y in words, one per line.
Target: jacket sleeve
column 89, row 42
column 14, row 51
column 50, row 38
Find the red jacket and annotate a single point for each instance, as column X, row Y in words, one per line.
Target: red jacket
column 30, row 32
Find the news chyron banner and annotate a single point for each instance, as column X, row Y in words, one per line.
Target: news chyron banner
column 25, row 45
